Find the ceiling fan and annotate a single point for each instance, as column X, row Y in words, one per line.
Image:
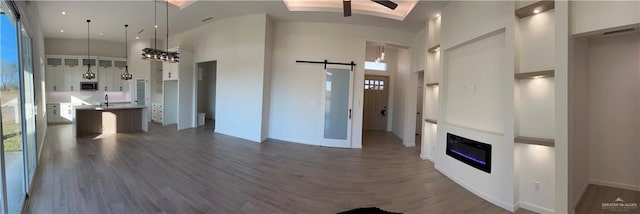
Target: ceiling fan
column 346, row 6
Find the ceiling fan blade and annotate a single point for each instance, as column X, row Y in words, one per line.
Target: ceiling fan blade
column 346, row 8
column 386, row 3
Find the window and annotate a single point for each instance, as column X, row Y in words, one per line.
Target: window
column 376, row 66
column 374, row 85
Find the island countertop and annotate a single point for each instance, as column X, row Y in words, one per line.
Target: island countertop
column 110, row 107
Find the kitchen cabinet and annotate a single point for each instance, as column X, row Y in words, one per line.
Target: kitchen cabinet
column 72, row 74
column 119, row 84
column 93, row 62
column 105, row 79
column 157, row 112
column 170, row 71
column 54, row 76
column 60, row 113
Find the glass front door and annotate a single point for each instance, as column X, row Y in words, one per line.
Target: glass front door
column 11, row 106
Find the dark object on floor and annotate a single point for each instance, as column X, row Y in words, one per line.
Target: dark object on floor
column 367, row 210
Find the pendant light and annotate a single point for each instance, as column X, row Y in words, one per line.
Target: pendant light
column 126, row 75
column 88, row 75
column 155, row 53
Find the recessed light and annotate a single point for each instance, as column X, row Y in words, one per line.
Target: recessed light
column 536, row 11
column 64, row 13
column 137, row 37
column 61, row 31
column 101, row 34
column 437, row 16
column 155, row 26
column 538, row 77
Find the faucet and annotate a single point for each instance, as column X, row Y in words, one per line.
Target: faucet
column 106, row 100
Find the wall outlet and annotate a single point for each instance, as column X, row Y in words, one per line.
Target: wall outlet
column 536, row 186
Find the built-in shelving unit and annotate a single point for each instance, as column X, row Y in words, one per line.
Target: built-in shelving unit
column 432, row 84
column 535, row 74
column 434, row 49
column 535, row 8
column 433, row 121
column 535, row 141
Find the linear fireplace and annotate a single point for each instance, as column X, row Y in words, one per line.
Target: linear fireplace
column 471, row 152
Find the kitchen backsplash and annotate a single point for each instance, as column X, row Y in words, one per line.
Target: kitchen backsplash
column 88, row 98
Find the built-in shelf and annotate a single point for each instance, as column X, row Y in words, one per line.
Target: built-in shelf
column 535, row 74
column 431, row 121
column 434, row 49
column 432, row 84
column 535, row 8
column 535, row 141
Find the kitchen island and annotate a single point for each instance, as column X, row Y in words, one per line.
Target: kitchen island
column 120, row 118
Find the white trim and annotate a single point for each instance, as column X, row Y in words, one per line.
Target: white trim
column 426, row 157
column 507, row 206
column 614, row 184
column 532, row 207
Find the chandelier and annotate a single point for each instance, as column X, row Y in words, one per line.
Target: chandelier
column 126, row 75
column 155, row 53
column 88, row 75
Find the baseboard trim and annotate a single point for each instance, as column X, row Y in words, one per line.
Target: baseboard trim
column 533, row 207
column 507, row 206
column 614, row 184
column 426, row 157
column 579, row 197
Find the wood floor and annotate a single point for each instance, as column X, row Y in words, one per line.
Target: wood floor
column 197, row 171
column 595, row 195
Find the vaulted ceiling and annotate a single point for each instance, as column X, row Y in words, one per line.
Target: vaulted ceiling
column 109, row 17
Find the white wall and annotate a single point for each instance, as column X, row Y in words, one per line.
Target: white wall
column 79, row 47
column 238, row 45
column 296, row 89
column 614, row 110
column 268, row 66
column 478, row 43
column 587, row 16
column 187, row 84
column 579, row 131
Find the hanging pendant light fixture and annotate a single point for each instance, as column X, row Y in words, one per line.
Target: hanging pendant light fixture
column 126, row 75
column 155, row 53
column 88, row 75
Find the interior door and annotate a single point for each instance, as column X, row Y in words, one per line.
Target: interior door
column 376, row 99
column 337, row 112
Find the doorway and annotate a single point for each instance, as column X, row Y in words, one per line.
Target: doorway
column 376, row 100
column 206, row 93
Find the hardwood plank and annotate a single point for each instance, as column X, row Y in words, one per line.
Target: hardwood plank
column 197, row 171
column 596, row 195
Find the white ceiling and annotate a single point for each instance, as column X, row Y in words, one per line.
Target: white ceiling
column 109, row 17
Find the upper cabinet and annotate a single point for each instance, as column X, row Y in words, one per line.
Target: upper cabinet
column 170, row 71
column 64, row 73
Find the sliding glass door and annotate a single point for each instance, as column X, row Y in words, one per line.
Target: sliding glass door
column 11, row 106
column 29, row 103
column 338, row 94
column 17, row 110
